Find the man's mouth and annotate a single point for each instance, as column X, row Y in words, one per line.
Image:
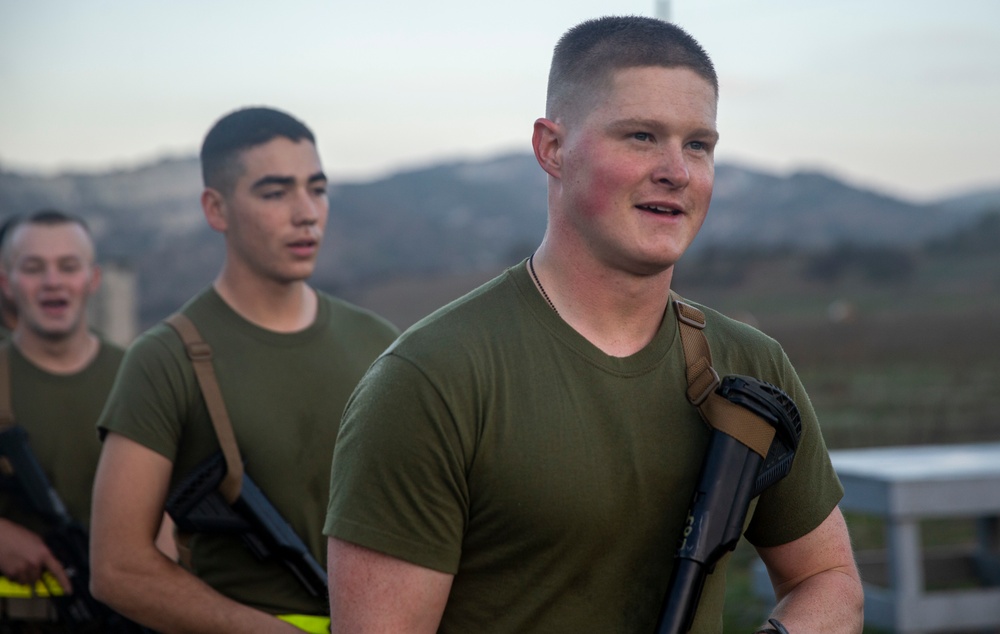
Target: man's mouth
column 53, row 305
column 663, row 211
column 303, row 247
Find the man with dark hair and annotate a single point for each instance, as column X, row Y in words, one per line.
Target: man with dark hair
column 220, row 152
column 523, row 459
column 8, row 312
column 60, row 373
column 286, row 358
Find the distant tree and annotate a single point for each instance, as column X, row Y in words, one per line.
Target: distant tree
column 878, row 264
column 828, row 266
column 887, row 266
column 717, row 265
column 981, row 237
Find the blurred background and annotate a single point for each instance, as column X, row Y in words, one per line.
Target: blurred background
column 856, row 215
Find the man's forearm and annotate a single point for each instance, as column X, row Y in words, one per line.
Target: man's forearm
column 829, row 602
column 159, row 594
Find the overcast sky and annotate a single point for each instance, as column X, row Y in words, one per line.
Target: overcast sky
column 902, row 96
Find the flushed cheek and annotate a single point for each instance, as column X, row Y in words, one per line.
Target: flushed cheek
column 600, row 185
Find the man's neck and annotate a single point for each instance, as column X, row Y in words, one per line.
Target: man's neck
column 617, row 311
column 67, row 355
column 279, row 307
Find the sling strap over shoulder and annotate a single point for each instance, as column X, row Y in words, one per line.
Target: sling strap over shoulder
column 717, row 411
column 6, row 411
column 200, row 354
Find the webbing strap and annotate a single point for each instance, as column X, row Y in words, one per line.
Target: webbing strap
column 6, row 412
column 308, row 622
column 47, row 586
column 200, row 354
column 717, row 411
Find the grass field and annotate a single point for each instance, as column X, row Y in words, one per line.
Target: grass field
column 913, row 362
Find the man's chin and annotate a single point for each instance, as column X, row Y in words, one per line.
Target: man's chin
column 53, row 335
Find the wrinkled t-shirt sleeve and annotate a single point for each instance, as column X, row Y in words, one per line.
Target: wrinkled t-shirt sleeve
column 150, row 394
column 398, row 482
column 805, row 497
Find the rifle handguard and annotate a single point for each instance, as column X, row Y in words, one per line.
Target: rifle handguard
column 197, row 506
column 731, row 475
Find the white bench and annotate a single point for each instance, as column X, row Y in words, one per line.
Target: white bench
column 902, row 486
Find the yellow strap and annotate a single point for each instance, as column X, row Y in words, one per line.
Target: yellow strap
column 46, row 587
column 308, row 622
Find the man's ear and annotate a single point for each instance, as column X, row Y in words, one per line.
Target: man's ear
column 95, row 278
column 213, row 204
column 547, row 141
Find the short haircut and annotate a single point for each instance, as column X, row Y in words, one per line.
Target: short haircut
column 239, row 131
column 587, row 55
column 6, row 226
column 45, row 217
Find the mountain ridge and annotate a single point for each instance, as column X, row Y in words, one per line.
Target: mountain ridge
column 457, row 217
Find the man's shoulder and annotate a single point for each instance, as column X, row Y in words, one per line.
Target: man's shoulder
column 473, row 316
column 109, row 355
column 340, row 311
column 741, row 348
column 721, row 326
column 155, row 346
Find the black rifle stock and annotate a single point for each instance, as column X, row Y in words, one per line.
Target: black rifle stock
column 731, row 475
column 68, row 540
column 196, row 506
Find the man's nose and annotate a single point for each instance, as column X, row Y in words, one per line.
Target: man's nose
column 51, row 276
column 308, row 208
column 672, row 168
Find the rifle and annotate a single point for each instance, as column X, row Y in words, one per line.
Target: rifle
column 197, row 506
column 68, row 540
column 732, row 474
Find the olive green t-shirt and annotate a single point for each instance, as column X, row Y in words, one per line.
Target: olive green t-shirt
column 285, row 394
column 495, row 443
column 58, row 412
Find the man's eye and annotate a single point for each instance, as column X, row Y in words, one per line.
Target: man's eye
column 319, row 190
column 273, row 195
column 642, row 136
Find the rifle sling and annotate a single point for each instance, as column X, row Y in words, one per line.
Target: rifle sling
column 717, row 411
column 200, row 354
column 6, row 412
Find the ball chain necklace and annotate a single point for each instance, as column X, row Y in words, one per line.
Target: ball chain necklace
column 531, row 268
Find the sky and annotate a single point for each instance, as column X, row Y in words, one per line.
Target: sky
column 899, row 96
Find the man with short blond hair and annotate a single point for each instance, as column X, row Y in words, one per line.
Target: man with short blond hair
column 523, row 459
column 60, row 373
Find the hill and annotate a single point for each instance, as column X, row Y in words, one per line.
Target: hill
column 457, row 218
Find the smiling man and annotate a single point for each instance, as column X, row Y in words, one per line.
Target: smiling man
column 286, row 357
column 60, row 373
column 523, row 459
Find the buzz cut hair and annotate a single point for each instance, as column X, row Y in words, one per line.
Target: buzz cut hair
column 239, row 131
column 43, row 217
column 587, row 56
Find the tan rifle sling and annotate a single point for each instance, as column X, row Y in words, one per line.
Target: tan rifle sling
column 200, row 354
column 717, row 411
column 6, row 411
